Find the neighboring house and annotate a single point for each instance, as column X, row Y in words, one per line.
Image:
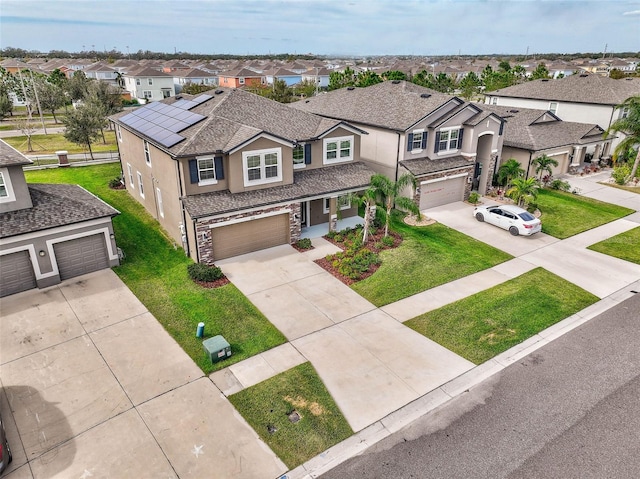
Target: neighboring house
column 449, row 145
column 230, row 172
column 149, row 84
column 290, row 78
column 100, row 71
column 579, row 98
column 242, row 77
column 320, row 76
column 49, row 232
column 195, row 76
column 529, row 134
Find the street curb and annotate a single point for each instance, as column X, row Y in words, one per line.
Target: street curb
column 385, row 427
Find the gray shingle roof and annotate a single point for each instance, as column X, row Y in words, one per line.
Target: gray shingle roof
column 393, row 105
column 53, row 206
column 12, row 157
column 539, row 130
column 425, row 166
column 582, row 88
column 306, row 184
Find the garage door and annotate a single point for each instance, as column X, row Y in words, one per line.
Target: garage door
column 81, row 255
column 16, row 273
column 441, row 192
column 248, row 236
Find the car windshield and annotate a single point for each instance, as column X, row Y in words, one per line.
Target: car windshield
column 525, row 215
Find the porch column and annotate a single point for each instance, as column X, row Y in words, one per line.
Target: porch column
column 333, row 214
column 577, row 156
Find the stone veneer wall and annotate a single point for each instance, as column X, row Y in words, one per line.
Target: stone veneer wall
column 203, row 232
column 492, row 168
column 442, row 174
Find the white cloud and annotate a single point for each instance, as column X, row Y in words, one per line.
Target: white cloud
column 634, row 12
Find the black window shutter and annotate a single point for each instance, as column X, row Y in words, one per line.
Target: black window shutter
column 217, row 161
column 437, row 147
column 193, row 171
column 501, row 128
column 307, row 154
column 424, row 140
column 460, row 138
column 410, row 142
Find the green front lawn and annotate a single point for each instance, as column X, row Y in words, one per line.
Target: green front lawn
column 49, row 144
column 567, row 214
column 157, row 275
column 267, row 406
column 625, row 246
column 487, row 323
column 632, row 189
column 428, row 257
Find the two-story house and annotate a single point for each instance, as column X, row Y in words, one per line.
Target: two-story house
column 48, row 232
column 228, row 172
column 587, row 98
column 149, row 84
column 449, row 145
column 194, row 76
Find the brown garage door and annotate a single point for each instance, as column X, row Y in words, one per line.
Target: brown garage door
column 248, row 236
column 441, row 192
column 81, row 255
column 16, row 273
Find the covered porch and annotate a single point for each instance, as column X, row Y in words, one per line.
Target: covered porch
column 319, row 230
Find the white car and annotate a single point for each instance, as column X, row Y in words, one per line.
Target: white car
column 516, row 220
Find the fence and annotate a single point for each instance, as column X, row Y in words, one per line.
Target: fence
column 78, row 159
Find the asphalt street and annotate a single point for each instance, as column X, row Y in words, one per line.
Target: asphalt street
column 571, row 409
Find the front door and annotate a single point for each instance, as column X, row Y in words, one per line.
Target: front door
column 304, row 217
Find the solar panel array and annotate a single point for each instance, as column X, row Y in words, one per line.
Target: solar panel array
column 162, row 122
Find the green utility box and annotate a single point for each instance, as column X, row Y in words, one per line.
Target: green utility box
column 217, row 348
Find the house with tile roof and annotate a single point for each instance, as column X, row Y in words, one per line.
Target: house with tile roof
column 587, row 98
column 449, row 145
column 49, row 232
column 148, row 84
column 228, row 172
column 529, row 134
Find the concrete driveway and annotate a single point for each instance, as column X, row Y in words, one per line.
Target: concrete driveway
column 92, row 385
column 371, row 364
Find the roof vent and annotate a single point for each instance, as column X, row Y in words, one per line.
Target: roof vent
column 545, row 79
column 583, row 75
column 306, row 101
column 395, row 82
column 424, row 95
column 629, row 79
column 178, row 97
column 513, row 111
column 219, row 92
column 351, row 88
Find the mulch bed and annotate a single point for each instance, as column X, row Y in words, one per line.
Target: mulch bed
column 371, row 245
column 213, row 284
column 301, row 250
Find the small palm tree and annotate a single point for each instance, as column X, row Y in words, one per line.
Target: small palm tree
column 524, row 191
column 366, row 199
column 545, row 163
column 630, row 126
column 509, row 170
column 388, row 191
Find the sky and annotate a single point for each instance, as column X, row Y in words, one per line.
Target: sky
column 323, row 27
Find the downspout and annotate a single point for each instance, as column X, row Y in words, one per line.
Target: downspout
column 184, row 216
column 398, row 157
column 529, row 167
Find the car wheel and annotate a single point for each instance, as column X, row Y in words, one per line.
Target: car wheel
column 514, row 231
column 480, row 217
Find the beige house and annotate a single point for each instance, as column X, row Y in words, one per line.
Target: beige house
column 449, row 145
column 229, row 172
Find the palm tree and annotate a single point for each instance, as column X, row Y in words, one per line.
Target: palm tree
column 524, row 191
column 630, row 126
column 367, row 199
column 388, row 191
column 509, row 170
column 544, row 163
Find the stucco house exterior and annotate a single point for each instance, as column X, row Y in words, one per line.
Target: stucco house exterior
column 195, row 76
column 241, row 77
column 49, row 232
column 583, row 98
column 149, row 84
column 449, row 145
column 229, row 172
column 529, row 134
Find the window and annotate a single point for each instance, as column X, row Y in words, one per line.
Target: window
column 147, row 94
column 119, row 133
column 553, row 107
column 298, row 156
column 150, row 81
column 337, row 150
column 418, row 140
column 4, row 193
column 449, row 140
column 342, row 202
column 625, row 112
column 494, row 100
column 140, row 185
column 160, row 205
column 241, row 80
column 137, row 81
column 262, row 166
column 147, row 153
column 166, row 93
column 206, row 171
column 130, row 175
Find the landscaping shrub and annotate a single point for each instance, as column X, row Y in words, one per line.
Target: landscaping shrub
column 620, row 173
column 115, row 183
column 474, row 197
column 304, row 243
column 387, row 240
column 558, row 184
column 203, row 272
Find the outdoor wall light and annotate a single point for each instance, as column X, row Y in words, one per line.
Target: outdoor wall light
column 42, row 253
column 112, row 236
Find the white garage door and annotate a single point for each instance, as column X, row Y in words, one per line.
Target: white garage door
column 16, row 273
column 441, row 192
column 81, row 255
column 248, row 236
